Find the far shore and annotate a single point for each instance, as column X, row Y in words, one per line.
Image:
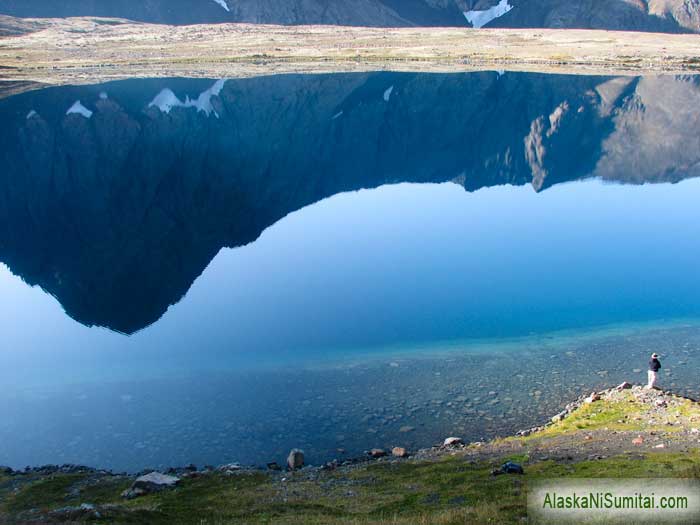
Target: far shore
column 94, row 50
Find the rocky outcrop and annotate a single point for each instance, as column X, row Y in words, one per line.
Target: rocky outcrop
column 150, row 483
column 117, row 213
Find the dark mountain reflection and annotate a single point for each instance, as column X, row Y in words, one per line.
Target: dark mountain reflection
column 118, row 205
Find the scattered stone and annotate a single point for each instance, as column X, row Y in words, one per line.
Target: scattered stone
column 592, row 398
column 377, row 453
column 399, row 452
column 624, row 386
column 295, row 460
column 660, row 445
column 229, row 468
column 508, row 468
column 72, row 514
column 638, row 441
column 452, row 442
column 150, row 483
column 560, row 416
column 406, row 429
column 431, row 499
column 273, row 466
column 588, row 438
column 331, row 465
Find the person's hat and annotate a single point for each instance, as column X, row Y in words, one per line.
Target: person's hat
column 654, row 355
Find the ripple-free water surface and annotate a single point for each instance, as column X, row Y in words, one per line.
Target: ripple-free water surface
column 290, row 280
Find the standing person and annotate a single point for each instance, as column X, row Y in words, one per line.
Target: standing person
column 654, row 366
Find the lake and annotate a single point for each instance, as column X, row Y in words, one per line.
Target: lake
column 213, row 271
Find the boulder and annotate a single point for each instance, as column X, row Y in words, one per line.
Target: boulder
column 624, row 386
column 399, row 452
column 508, row 468
column 452, row 442
column 229, row 468
column 638, row 441
column 592, row 398
column 559, row 416
column 512, row 468
column 295, row 460
column 150, row 483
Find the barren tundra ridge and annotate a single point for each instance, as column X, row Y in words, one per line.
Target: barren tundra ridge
column 92, row 50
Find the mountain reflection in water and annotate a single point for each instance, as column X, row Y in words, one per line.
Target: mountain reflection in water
column 116, row 200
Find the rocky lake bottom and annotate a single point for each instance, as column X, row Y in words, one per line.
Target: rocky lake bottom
column 412, row 399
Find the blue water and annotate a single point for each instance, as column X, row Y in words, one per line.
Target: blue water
column 394, row 266
column 356, row 311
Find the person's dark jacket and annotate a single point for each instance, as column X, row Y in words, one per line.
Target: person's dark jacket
column 654, row 365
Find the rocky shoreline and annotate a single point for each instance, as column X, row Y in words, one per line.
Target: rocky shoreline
column 149, row 481
column 598, row 433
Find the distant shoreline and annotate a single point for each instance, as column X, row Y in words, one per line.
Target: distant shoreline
column 93, row 50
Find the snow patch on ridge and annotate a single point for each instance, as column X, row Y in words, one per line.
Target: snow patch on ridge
column 166, row 100
column 79, row 109
column 479, row 19
column 223, row 4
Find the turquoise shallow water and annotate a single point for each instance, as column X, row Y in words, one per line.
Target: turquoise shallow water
column 316, row 266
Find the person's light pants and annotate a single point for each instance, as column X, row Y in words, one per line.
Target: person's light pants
column 652, row 379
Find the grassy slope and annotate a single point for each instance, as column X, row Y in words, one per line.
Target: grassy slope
column 450, row 488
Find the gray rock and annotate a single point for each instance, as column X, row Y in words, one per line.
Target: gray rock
column 452, row 442
column 229, row 468
column 150, row 483
column 295, row 460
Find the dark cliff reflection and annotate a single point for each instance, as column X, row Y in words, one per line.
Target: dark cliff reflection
column 114, row 198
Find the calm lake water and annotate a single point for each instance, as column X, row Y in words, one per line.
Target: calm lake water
column 213, row 271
